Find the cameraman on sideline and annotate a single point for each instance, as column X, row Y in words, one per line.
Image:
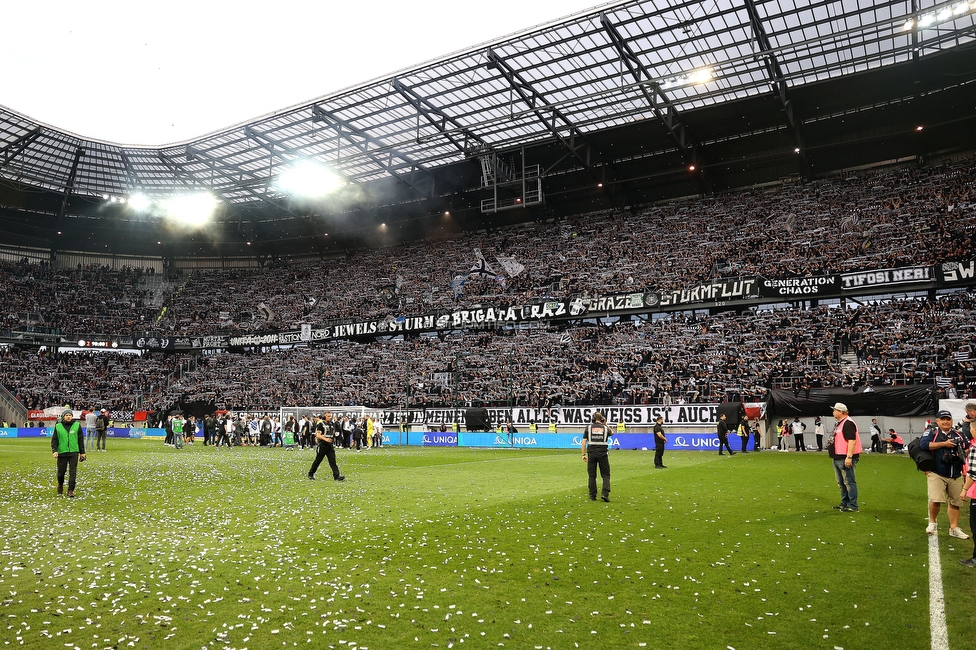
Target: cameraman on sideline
column 945, row 482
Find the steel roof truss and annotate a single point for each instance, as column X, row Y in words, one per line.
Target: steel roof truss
column 576, row 142
column 777, row 80
column 437, row 118
column 660, row 103
column 363, row 140
column 14, row 148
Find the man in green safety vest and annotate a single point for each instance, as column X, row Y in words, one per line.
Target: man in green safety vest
column 68, row 446
column 620, row 427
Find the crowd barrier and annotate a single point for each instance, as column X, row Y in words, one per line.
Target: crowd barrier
column 689, row 441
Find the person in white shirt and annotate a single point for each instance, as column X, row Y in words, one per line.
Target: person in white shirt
column 797, row 428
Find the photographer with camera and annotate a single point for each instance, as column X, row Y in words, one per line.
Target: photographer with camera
column 945, row 483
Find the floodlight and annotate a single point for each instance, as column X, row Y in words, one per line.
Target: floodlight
column 191, row 209
column 908, row 25
column 139, row 202
column 700, row 76
column 926, row 20
column 945, row 14
column 308, row 179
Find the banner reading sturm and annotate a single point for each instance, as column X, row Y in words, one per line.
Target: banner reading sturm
column 717, row 291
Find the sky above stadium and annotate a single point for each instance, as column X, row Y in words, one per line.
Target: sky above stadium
column 156, row 73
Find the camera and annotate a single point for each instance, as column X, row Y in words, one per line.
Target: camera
column 950, row 456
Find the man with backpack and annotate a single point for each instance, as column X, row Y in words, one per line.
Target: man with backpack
column 945, row 482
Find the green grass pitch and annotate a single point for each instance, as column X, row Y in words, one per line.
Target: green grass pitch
column 466, row 548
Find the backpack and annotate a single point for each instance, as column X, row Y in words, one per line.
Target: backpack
column 924, row 460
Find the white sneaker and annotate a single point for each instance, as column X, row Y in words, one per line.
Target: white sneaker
column 958, row 533
column 931, row 528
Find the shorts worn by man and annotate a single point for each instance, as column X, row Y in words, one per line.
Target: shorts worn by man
column 945, row 482
column 846, row 453
column 595, row 447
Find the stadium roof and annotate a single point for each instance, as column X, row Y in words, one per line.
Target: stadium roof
column 615, row 106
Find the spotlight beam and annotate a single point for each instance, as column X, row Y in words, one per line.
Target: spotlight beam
column 134, row 181
column 363, row 143
column 226, row 167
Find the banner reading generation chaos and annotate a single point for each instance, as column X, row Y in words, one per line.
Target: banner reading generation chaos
column 817, row 285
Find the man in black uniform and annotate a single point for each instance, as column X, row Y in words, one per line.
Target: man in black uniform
column 595, row 447
column 68, row 446
column 723, row 435
column 326, row 433
column 659, row 440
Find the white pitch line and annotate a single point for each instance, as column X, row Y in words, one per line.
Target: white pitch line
column 937, row 621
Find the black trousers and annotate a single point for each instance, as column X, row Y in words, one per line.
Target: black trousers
column 658, row 455
column 745, row 442
column 799, row 442
column 603, row 462
column 723, row 441
column 100, row 438
column 819, row 442
column 68, row 463
column 325, row 450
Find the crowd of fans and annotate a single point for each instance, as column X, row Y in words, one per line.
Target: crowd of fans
column 680, row 358
column 869, row 220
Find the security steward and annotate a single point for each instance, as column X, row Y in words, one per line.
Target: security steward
column 595, row 448
column 68, row 446
column 326, row 432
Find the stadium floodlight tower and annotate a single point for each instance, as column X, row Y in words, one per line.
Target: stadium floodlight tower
column 511, row 189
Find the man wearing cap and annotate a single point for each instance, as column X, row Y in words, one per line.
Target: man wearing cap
column 68, row 446
column 945, row 482
column 101, row 428
column 595, row 447
column 846, row 452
